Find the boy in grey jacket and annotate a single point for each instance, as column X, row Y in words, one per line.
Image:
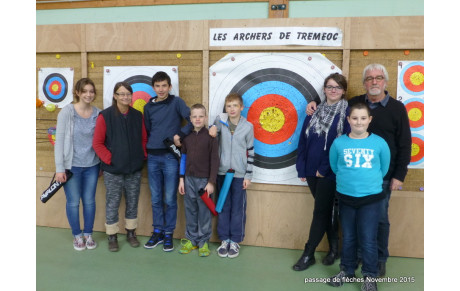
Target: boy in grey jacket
column 236, row 151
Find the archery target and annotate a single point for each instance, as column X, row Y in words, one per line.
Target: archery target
column 140, row 79
column 418, row 149
column 276, row 88
column 56, row 86
column 415, row 111
column 410, row 90
column 412, row 78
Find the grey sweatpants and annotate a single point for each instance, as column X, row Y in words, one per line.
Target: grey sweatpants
column 198, row 217
column 115, row 184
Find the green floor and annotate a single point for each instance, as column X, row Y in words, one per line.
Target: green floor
column 60, row 267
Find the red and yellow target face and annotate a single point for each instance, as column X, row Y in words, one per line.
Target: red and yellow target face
column 417, row 152
column 274, row 118
column 415, row 112
column 412, row 78
column 55, row 88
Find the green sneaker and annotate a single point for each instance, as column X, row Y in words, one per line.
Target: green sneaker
column 204, row 251
column 187, row 246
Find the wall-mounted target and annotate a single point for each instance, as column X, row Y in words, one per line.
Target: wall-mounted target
column 55, row 86
column 142, row 90
column 276, row 88
column 418, row 149
column 412, row 78
column 416, row 113
column 140, row 79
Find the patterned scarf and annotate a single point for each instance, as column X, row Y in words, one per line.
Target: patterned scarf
column 324, row 116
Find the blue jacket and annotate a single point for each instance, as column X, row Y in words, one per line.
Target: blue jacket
column 311, row 155
column 164, row 120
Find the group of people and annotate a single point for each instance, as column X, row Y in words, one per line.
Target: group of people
column 355, row 152
column 118, row 140
column 352, row 154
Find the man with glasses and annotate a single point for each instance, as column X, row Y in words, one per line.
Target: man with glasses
column 390, row 121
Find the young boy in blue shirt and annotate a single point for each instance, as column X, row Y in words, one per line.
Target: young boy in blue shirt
column 199, row 165
column 236, row 149
column 360, row 160
column 163, row 115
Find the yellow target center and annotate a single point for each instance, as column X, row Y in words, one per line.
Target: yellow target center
column 415, row 114
column 417, row 78
column 415, row 149
column 139, row 105
column 55, row 88
column 272, row 119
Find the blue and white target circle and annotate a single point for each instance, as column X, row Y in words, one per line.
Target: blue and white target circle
column 140, row 79
column 276, row 88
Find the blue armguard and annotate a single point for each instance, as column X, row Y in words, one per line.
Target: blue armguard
column 183, row 159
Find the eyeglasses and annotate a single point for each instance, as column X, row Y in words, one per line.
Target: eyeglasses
column 371, row 79
column 124, row 94
column 330, row 88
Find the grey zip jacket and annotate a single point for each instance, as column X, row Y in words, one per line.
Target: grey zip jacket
column 63, row 147
column 235, row 151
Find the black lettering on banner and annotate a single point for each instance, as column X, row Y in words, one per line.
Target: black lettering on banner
column 220, row 36
column 285, row 35
column 316, row 36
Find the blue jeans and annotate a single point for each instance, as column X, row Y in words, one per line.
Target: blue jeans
column 231, row 222
column 163, row 174
column 82, row 186
column 360, row 224
column 384, row 224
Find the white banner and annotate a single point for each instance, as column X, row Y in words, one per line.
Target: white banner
column 250, row 36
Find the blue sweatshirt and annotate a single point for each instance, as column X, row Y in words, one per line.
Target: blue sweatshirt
column 311, row 155
column 359, row 164
column 164, row 119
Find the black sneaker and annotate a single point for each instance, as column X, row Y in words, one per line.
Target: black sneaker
column 168, row 242
column 156, row 239
column 339, row 279
column 369, row 284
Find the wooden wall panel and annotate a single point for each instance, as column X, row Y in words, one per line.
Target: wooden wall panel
column 59, row 38
column 145, row 36
column 387, row 32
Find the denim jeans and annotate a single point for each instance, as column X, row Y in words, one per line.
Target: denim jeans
column 383, row 233
column 360, row 224
column 231, row 222
column 82, row 186
column 163, row 174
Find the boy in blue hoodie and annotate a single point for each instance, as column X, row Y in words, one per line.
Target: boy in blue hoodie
column 163, row 115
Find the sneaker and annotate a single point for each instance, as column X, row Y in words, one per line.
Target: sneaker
column 339, row 279
column 222, row 251
column 155, row 239
column 79, row 243
column 204, row 250
column 168, row 242
column 234, row 250
column 90, row 243
column 187, row 247
column 369, row 284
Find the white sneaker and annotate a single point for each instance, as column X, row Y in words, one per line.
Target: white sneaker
column 90, row 243
column 222, row 251
column 234, row 250
column 79, row 243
